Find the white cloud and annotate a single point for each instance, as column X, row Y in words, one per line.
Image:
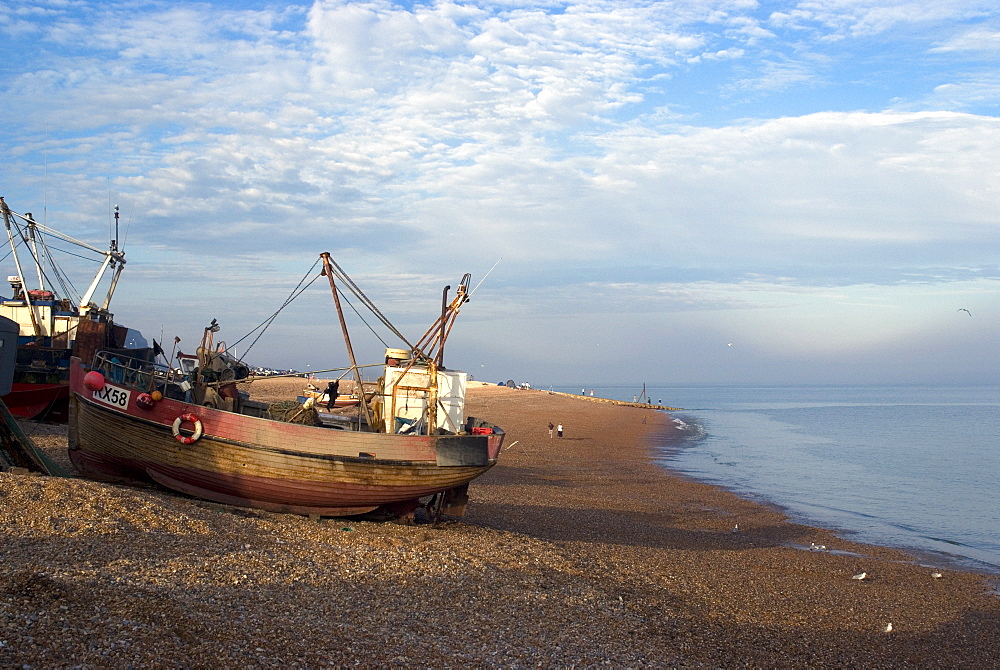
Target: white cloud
column 870, row 17
column 980, row 40
column 982, row 90
column 423, row 142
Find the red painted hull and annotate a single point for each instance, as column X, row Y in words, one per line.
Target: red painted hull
column 263, row 463
column 38, row 401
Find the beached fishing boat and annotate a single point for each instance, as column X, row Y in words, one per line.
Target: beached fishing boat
column 54, row 328
column 198, row 433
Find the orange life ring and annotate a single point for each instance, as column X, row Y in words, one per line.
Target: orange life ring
column 187, row 418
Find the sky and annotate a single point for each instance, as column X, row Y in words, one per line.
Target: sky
column 663, row 192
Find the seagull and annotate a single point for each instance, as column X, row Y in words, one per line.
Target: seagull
column 888, row 627
column 730, row 344
column 860, row 576
column 736, row 528
column 962, row 309
column 936, row 575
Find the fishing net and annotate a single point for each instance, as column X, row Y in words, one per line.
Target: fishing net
column 289, row 411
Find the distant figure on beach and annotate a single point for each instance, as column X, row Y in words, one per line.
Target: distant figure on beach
column 551, row 428
column 559, row 430
column 332, row 391
column 635, row 398
column 591, row 392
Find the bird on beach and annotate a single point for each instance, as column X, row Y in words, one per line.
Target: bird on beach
column 860, row 576
column 888, row 627
column 962, row 309
column 936, row 575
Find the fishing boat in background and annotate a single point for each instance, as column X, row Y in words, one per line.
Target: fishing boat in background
column 29, row 400
column 322, row 398
column 196, row 431
column 54, row 328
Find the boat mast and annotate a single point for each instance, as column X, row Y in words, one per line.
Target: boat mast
column 435, row 338
column 85, row 300
column 8, row 219
column 444, row 315
column 205, row 350
column 118, row 264
column 436, row 363
column 34, row 249
column 328, row 271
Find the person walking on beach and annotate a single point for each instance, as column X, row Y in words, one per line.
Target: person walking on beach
column 551, row 427
column 559, row 430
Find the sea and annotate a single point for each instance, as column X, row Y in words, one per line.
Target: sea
column 913, row 467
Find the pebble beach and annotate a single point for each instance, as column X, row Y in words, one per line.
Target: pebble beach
column 577, row 551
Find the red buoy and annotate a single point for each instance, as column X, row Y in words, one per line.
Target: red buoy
column 93, row 380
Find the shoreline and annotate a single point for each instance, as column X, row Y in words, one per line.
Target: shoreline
column 574, row 551
column 678, row 512
column 918, row 555
column 673, row 444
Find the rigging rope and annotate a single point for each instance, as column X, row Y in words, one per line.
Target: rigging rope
column 367, row 303
column 355, row 310
column 68, row 290
column 264, row 325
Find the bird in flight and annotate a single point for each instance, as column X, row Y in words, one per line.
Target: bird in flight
column 962, row 309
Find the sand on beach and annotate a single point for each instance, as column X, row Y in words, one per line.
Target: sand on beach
column 578, row 551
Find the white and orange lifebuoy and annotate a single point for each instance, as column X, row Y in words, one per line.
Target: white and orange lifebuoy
column 187, row 417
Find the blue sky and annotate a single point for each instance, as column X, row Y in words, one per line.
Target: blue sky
column 677, row 192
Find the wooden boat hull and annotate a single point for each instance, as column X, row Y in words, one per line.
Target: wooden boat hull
column 262, row 463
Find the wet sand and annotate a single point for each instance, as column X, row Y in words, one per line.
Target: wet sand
column 577, row 551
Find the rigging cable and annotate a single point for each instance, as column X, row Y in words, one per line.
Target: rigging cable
column 68, row 289
column 367, row 302
column 355, row 310
column 264, row 325
column 40, row 238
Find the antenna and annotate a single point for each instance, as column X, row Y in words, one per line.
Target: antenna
column 485, row 276
column 45, row 177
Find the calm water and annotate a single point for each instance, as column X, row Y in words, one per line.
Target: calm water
column 915, row 467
